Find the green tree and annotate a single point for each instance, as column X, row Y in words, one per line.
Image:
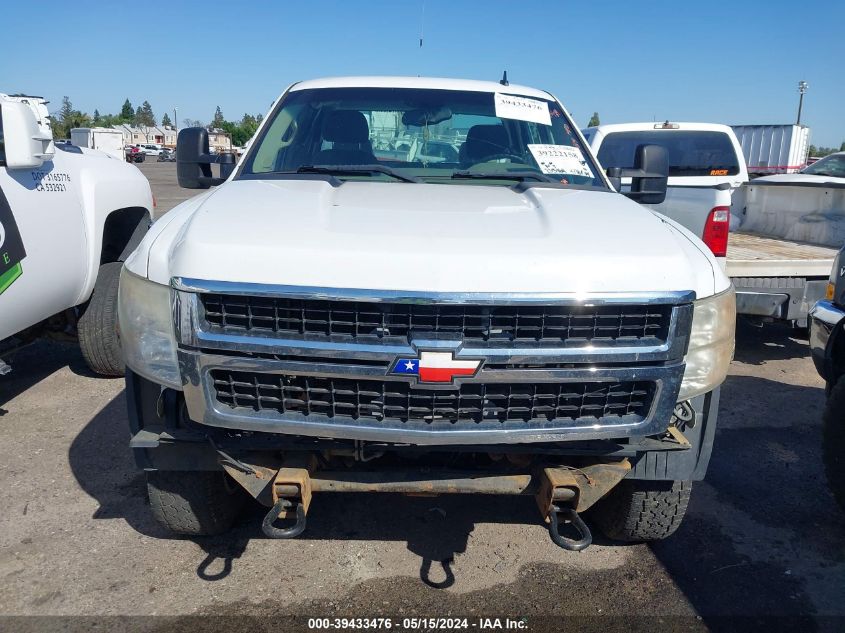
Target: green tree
column 66, row 111
column 842, row 147
column 218, row 120
column 594, row 120
column 97, row 117
column 146, row 115
column 165, row 120
column 127, row 112
column 68, row 118
column 108, row 120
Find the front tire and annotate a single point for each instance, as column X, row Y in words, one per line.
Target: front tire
column 639, row 511
column 833, row 441
column 97, row 326
column 197, row 503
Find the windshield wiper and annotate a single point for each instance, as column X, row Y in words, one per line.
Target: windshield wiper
column 503, row 175
column 340, row 170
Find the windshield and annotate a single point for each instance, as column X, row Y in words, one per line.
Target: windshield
column 833, row 165
column 423, row 135
column 691, row 153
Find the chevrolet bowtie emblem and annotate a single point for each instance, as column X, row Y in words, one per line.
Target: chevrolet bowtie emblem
column 436, row 367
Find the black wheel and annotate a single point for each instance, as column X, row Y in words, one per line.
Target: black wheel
column 194, row 502
column 98, row 324
column 833, row 441
column 643, row 510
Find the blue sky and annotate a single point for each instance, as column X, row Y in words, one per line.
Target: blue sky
column 729, row 62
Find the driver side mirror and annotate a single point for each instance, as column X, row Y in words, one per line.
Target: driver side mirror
column 649, row 177
column 193, row 160
column 27, row 145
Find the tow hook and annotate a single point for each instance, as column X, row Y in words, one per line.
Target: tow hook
column 564, row 491
column 569, row 514
column 283, row 506
column 291, row 490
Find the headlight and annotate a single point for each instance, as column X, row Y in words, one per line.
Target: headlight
column 711, row 345
column 145, row 319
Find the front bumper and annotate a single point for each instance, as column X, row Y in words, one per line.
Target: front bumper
column 824, row 318
column 163, row 438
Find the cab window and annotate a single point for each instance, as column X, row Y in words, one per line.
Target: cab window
column 691, row 152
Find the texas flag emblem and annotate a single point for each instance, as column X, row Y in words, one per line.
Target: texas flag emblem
column 435, row 367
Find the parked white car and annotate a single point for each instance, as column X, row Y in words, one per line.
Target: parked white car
column 68, row 217
column 151, row 149
column 830, row 169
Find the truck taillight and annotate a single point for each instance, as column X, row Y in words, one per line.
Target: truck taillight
column 716, row 230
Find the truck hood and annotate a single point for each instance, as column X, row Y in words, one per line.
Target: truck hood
column 426, row 237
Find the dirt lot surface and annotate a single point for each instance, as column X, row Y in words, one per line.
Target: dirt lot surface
column 762, row 539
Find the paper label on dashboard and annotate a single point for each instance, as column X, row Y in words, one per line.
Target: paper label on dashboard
column 522, row 109
column 560, row 159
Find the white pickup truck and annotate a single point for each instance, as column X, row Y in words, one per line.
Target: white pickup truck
column 501, row 322
column 776, row 275
column 68, row 218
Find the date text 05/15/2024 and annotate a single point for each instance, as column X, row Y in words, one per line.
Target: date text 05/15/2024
column 416, row 624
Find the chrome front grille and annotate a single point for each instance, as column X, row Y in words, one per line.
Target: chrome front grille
column 359, row 321
column 318, row 362
column 481, row 404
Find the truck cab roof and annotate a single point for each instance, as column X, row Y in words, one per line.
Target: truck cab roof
column 431, row 83
column 661, row 125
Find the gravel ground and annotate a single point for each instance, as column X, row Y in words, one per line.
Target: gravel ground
column 762, row 539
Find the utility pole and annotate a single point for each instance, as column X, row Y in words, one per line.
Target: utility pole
column 175, row 120
column 802, row 88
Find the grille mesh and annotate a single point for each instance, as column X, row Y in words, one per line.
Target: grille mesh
column 351, row 320
column 474, row 403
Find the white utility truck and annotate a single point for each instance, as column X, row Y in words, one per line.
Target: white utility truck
column 106, row 140
column 68, row 218
column 497, row 322
column 776, row 275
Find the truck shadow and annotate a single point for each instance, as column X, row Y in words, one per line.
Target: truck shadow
column 772, row 341
column 32, row 364
column 764, row 485
column 763, row 524
column 436, row 529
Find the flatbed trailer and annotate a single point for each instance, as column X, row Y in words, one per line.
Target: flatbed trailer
column 775, row 277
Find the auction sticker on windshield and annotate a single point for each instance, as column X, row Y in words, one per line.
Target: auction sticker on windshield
column 522, row 109
column 560, row 159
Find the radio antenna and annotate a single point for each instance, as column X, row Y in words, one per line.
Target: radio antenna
column 422, row 24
